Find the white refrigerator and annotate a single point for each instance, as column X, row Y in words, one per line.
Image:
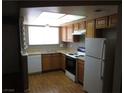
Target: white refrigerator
column 94, row 64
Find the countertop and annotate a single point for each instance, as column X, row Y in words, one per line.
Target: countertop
column 63, row 51
column 69, row 51
column 36, row 53
column 81, row 58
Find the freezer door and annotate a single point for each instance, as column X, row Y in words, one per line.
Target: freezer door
column 94, row 47
column 92, row 75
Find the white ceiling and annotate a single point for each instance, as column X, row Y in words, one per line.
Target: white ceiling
column 30, row 14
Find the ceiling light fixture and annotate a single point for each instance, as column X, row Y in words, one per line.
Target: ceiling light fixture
column 69, row 18
column 55, row 19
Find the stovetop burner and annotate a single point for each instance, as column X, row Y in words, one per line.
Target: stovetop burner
column 75, row 55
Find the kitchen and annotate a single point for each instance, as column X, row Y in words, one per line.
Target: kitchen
column 71, row 57
column 69, row 54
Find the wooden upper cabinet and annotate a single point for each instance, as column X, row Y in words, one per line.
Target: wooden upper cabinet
column 79, row 26
column 101, row 22
column 76, row 26
column 69, row 33
column 82, row 25
column 90, row 28
column 107, row 22
column 113, row 19
column 64, row 33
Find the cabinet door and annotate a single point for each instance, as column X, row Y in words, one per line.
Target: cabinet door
column 64, row 33
column 113, row 19
column 82, row 25
column 80, row 71
column 51, row 62
column 69, row 33
column 46, row 64
column 63, row 62
column 101, row 22
column 76, row 26
column 90, row 28
column 55, row 64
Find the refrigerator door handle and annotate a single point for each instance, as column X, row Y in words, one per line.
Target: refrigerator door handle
column 102, row 70
column 102, row 62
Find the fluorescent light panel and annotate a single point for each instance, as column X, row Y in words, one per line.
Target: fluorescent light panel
column 55, row 18
column 47, row 18
column 50, row 16
column 69, row 18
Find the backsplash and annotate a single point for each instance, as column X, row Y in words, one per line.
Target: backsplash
column 44, row 48
column 75, row 45
column 53, row 48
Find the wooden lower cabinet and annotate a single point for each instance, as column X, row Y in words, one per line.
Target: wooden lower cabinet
column 46, row 62
column 63, row 61
column 55, row 61
column 80, row 70
column 51, row 62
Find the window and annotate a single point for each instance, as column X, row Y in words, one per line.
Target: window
column 43, row 35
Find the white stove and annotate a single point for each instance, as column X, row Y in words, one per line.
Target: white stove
column 70, row 71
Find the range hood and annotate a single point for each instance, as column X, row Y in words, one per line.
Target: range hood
column 79, row 32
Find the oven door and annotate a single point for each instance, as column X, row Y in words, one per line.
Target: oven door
column 71, row 65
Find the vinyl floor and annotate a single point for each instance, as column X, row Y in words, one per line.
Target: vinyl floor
column 53, row 82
